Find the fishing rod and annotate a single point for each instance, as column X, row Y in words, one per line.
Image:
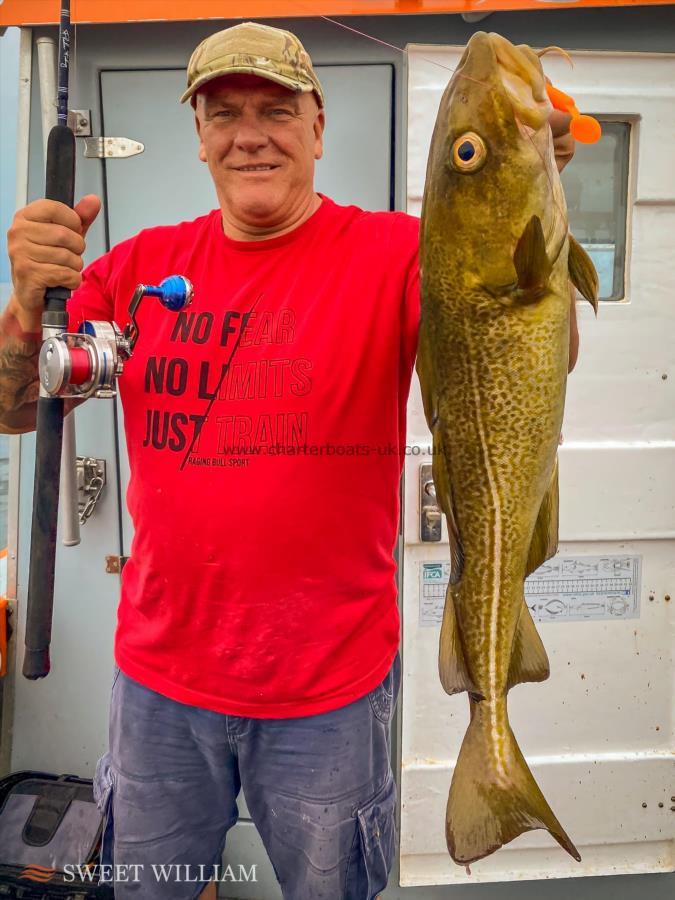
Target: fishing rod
column 60, row 186
column 82, row 365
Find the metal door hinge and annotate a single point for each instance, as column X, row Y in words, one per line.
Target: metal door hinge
column 115, row 564
column 90, row 484
column 111, row 147
column 79, row 120
column 430, row 513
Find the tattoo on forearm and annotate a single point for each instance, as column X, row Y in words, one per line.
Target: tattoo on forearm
column 19, row 387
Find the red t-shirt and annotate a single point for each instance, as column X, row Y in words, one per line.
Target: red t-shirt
column 261, row 580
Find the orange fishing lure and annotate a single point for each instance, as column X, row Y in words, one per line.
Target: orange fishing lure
column 584, row 129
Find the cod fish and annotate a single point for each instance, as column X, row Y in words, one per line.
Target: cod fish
column 496, row 261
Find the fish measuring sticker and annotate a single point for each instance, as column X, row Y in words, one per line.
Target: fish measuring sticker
column 564, row 589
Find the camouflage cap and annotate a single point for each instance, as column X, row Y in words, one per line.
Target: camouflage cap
column 253, row 49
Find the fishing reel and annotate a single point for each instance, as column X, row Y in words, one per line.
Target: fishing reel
column 87, row 363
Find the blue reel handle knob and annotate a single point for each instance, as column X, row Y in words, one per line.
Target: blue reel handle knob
column 176, row 292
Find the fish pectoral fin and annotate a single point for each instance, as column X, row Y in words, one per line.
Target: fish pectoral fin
column 452, row 667
column 529, row 661
column 544, row 543
column 582, row 273
column 531, row 262
column 488, row 806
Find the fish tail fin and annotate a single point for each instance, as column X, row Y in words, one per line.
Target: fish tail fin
column 493, row 795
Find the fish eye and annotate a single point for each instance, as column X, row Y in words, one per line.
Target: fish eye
column 468, row 152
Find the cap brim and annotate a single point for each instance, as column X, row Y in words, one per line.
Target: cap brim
column 297, row 87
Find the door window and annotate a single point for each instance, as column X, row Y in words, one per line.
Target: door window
column 596, row 189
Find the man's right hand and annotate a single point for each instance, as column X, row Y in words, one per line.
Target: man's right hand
column 45, row 244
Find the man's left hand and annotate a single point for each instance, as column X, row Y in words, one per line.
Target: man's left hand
column 563, row 142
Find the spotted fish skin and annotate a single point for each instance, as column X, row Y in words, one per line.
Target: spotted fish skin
column 492, row 363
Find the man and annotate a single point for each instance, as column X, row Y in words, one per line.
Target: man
column 258, row 627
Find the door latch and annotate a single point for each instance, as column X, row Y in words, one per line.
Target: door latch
column 79, row 122
column 115, row 564
column 90, row 484
column 430, row 513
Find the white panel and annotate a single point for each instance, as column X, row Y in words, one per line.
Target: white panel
column 609, row 490
column 600, row 734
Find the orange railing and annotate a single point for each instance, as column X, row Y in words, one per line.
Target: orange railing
column 32, row 12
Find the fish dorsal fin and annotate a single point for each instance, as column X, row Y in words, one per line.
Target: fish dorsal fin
column 582, row 273
column 544, row 543
column 531, row 261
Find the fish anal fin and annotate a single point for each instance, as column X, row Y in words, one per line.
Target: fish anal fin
column 544, row 543
column 452, row 667
column 531, row 262
column 582, row 272
column 529, row 661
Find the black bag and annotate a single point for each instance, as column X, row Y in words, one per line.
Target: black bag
column 50, row 838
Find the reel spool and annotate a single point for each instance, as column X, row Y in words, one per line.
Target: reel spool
column 87, row 363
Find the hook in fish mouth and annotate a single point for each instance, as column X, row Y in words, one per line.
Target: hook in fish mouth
column 526, row 130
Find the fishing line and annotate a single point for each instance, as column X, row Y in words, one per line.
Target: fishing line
column 401, row 50
column 434, row 62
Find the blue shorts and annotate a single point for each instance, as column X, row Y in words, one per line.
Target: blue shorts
column 320, row 790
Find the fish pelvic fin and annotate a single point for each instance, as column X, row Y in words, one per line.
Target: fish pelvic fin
column 531, row 262
column 493, row 796
column 452, row 667
column 582, row 273
column 544, row 543
column 529, row 660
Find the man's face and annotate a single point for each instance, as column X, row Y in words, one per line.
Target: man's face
column 260, row 141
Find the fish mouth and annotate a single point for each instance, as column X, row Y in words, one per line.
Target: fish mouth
column 520, row 73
